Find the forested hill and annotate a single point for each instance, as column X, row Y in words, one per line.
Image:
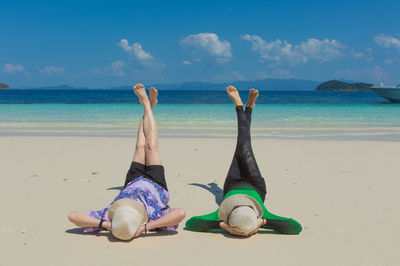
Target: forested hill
column 4, row 86
column 336, row 85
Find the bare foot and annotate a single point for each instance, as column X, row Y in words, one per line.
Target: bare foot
column 141, row 93
column 253, row 95
column 234, row 94
column 153, row 93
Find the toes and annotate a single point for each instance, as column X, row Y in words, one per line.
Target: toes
column 153, row 91
column 253, row 92
column 230, row 89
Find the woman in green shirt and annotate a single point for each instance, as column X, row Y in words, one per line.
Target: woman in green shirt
column 244, row 180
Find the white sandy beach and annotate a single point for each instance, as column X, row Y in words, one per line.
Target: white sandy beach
column 344, row 193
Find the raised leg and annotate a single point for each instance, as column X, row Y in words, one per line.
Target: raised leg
column 244, row 168
column 150, row 130
column 140, row 154
column 244, row 150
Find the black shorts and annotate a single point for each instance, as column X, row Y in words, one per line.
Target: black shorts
column 153, row 172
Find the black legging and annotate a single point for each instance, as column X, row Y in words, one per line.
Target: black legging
column 244, row 169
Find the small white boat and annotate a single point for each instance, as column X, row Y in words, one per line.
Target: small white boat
column 392, row 93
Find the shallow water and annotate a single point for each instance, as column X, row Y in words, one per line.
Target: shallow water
column 312, row 115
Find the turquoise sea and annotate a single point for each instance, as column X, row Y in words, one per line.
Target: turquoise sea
column 299, row 115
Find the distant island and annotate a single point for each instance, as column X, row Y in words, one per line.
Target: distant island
column 336, row 85
column 4, row 86
column 263, row 84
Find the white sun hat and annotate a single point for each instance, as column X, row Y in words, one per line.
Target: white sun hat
column 241, row 212
column 126, row 216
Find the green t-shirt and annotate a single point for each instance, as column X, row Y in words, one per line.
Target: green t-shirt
column 211, row 221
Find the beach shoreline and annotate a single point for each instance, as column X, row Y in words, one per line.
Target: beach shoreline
column 195, row 130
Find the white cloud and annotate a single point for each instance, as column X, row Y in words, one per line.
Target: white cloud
column 98, row 70
column 357, row 55
column 321, row 49
column 114, row 69
column 238, row 76
column 229, row 77
column 376, row 74
column 12, row 69
column 387, row 41
column 279, row 51
column 117, row 68
column 210, row 44
column 277, row 73
column 186, row 62
column 52, row 70
column 389, row 61
column 136, row 50
column 263, row 75
column 274, row 50
column 366, row 54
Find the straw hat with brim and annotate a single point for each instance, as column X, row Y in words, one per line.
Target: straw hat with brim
column 241, row 212
column 126, row 215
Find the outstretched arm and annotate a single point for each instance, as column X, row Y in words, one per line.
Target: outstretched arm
column 204, row 223
column 174, row 217
column 280, row 224
column 83, row 219
column 287, row 226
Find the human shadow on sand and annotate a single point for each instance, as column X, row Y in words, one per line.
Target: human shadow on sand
column 261, row 231
column 214, row 189
column 111, row 238
column 116, row 188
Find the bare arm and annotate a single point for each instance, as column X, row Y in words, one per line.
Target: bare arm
column 174, row 217
column 82, row 219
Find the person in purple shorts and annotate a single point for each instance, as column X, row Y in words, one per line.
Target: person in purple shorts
column 142, row 205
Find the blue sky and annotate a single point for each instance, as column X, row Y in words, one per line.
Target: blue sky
column 113, row 43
